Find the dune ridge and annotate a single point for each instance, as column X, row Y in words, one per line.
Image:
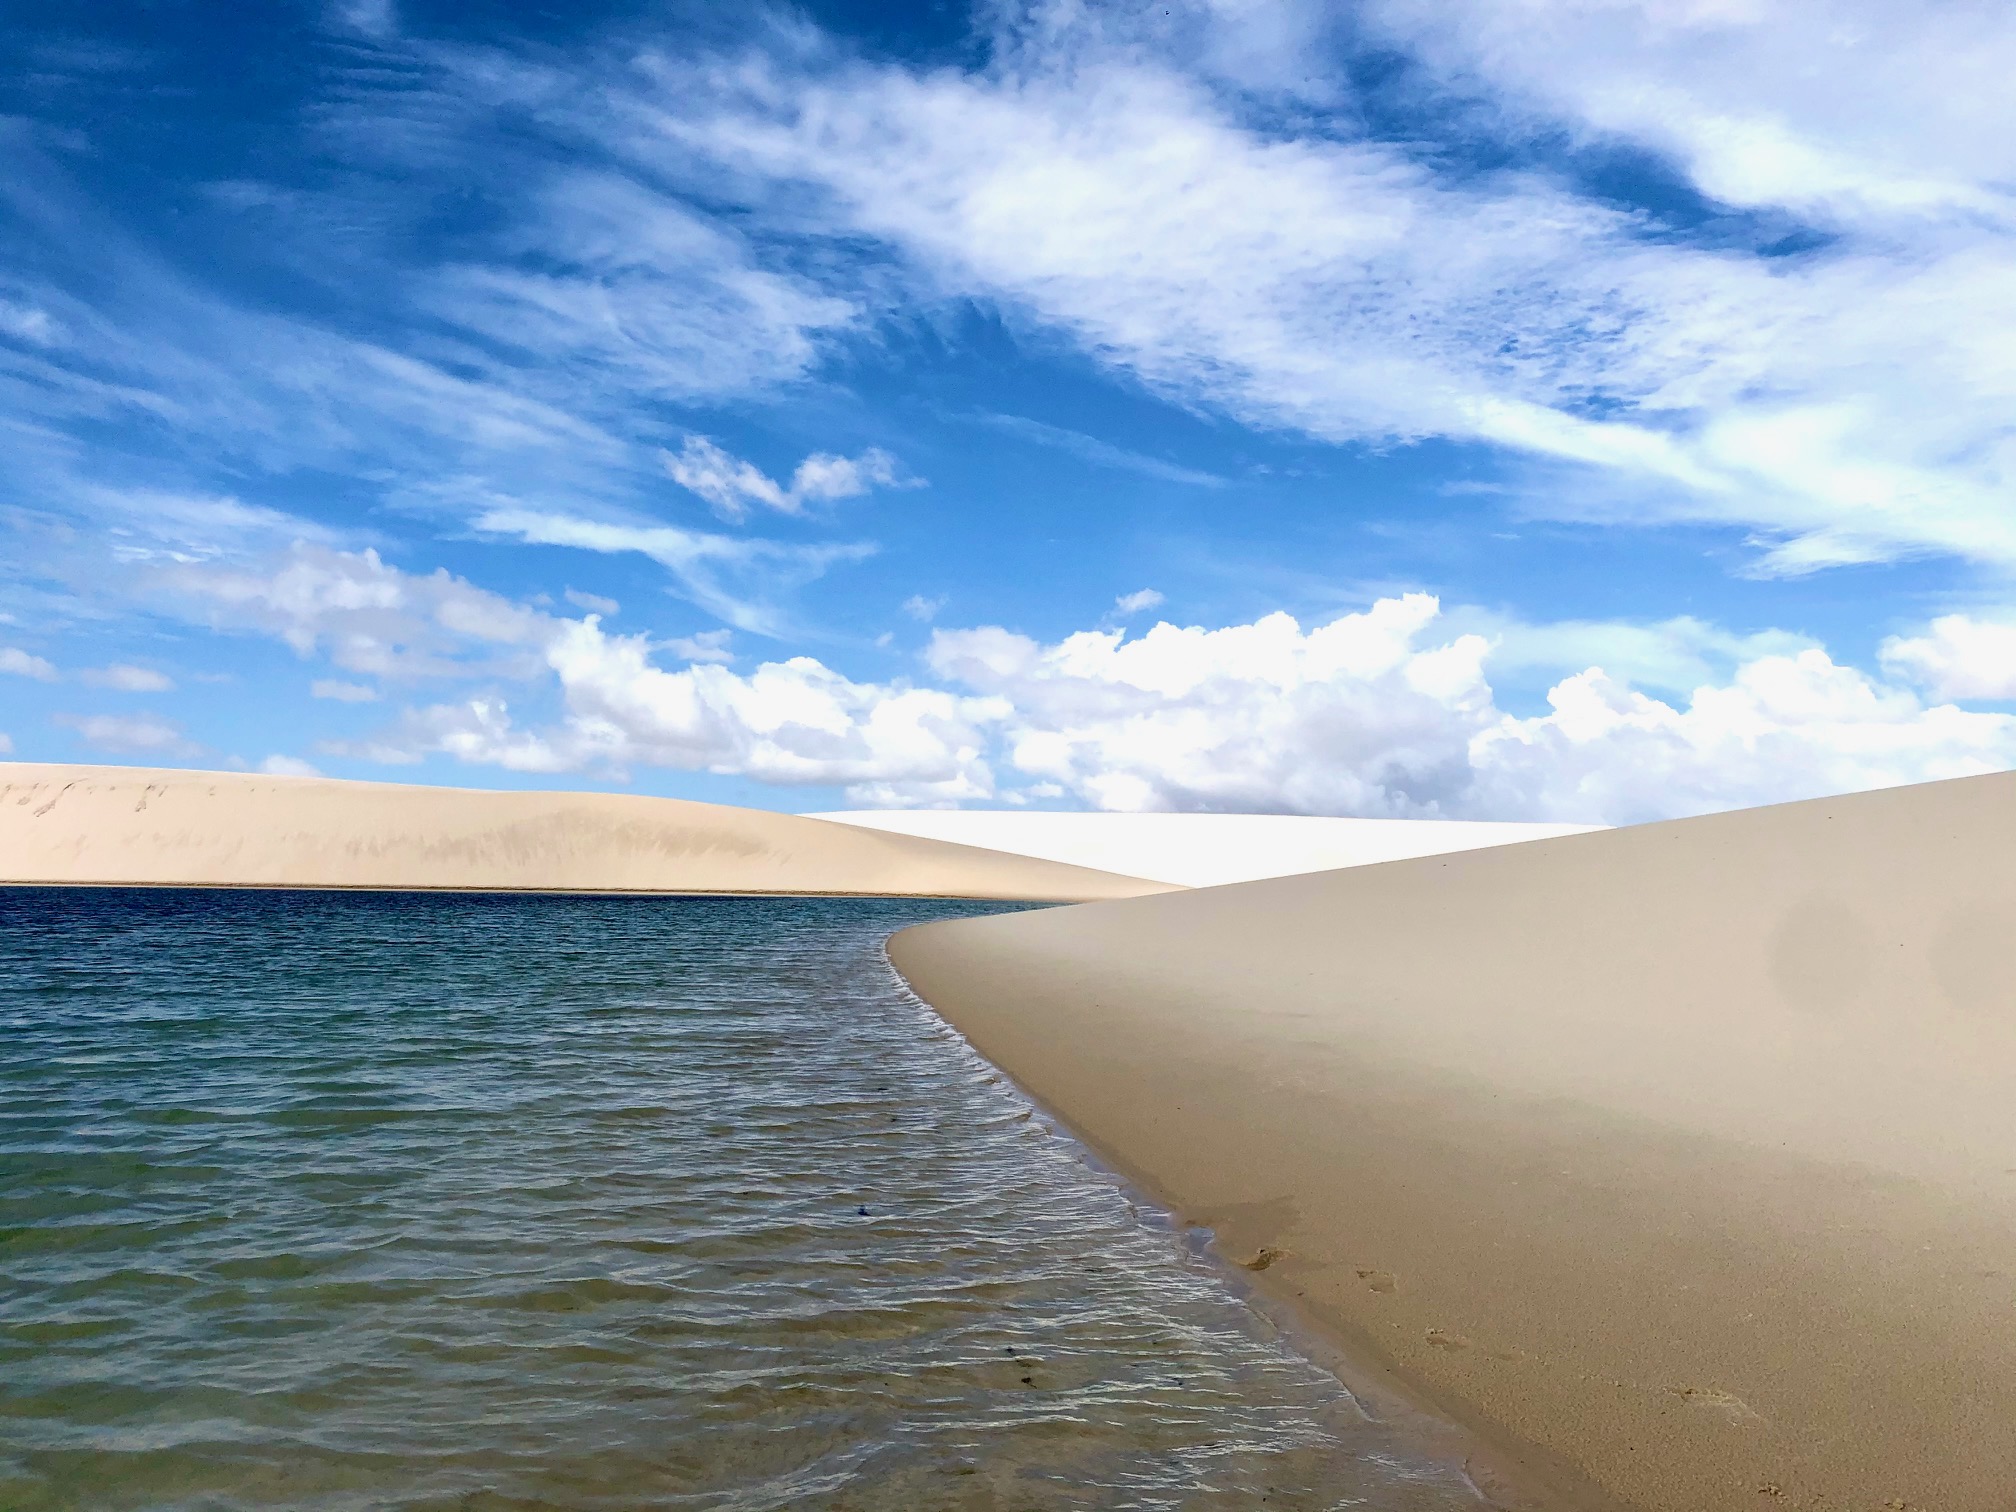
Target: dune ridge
column 1201, row 850
column 1679, row 1161
column 105, row 825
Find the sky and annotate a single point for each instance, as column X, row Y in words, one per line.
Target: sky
column 1576, row 410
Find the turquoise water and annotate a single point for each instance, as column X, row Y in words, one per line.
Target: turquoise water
column 347, row 1201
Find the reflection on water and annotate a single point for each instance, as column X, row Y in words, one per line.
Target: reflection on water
column 381, row 1201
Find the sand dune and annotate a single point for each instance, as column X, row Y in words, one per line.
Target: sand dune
column 1679, row 1160
column 1200, row 850
column 86, row 824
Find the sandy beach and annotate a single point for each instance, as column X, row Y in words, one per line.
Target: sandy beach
column 1201, row 850
column 139, row 826
column 1678, row 1161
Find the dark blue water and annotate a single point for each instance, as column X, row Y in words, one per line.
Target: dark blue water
column 347, row 1201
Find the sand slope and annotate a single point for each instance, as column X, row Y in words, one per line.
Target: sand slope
column 85, row 824
column 1200, row 850
column 1680, row 1159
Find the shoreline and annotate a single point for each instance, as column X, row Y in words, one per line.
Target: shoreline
column 1674, row 1162
column 1506, row 1476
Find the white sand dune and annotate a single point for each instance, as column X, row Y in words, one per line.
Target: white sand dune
column 1679, row 1160
column 1200, row 850
column 142, row 826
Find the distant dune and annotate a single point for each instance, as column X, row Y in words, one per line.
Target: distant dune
column 1200, row 850
column 1680, row 1160
column 135, row 825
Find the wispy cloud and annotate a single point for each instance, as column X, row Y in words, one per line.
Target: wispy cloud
column 1845, row 403
column 1099, row 453
column 700, row 561
column 124, row 678
column 338, row 691
column 129, row 733
column 732, row 485
column 18, row 663
column 435, row 388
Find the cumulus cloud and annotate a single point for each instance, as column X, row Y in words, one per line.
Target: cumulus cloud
column 1958, row 656
column 1133, row 603
column 923, row 609
column 1386, row 713
column 793, row 723
column 20, row 663
column 732, row 485
column 367, row 616
column 124, row 678
column 1389, row 711
column 288, row 766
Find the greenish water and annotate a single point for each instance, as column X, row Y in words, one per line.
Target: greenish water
column 347, row 1201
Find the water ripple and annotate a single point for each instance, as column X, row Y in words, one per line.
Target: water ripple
column 340, row 1202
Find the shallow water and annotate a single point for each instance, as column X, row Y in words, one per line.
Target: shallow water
column 343, row 1201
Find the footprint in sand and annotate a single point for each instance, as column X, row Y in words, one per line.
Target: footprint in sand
column 1378, row 1280
column 1455, row 1343
column 1734, row 1408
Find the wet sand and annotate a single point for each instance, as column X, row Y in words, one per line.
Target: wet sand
column 1679, row 1161
column 139, row 826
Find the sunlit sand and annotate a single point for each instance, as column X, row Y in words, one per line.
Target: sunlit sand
column 1678, row 1159
column 134, row 825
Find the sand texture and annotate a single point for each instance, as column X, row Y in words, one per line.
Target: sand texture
column 1201, row 850
column 1678, row 1160
column 86, row 824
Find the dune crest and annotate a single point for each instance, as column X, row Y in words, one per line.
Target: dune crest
column 157, row 827
column 1201, row 850
column 1679, row 1160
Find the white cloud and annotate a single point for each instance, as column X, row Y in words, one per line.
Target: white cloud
column 732, row 485
column 136, row 733
column 1958, row 657
column 124, row 678
column 1101, row 453
column 537, row 367
column 628, row 284
column 707, row 646
column 6, row 744
column 594, row 603
column 923, row 609
column 367, row 616
column 792, row 723
column 1133, row 603
column 288, row 766
column 1847, row 109
column 342, row 692
column 699, row 560
column 1846, row 404
column 23, row 664
column 373, row 18
column 1387, row 713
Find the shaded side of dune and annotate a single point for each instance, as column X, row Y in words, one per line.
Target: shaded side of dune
column 1678, row 1160
column 153, row 827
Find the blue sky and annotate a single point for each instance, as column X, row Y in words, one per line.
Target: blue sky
column 1589, row 410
